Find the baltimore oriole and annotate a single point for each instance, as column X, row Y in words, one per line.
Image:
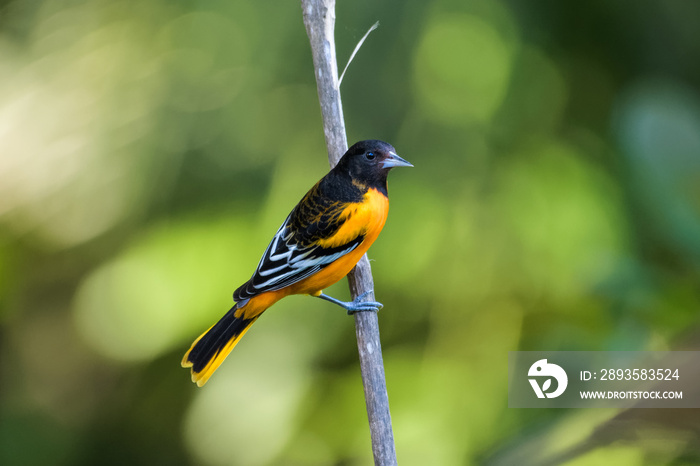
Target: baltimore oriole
column 321, row 240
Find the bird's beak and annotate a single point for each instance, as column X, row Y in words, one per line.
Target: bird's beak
column 395, row 161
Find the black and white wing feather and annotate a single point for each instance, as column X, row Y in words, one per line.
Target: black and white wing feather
column 294, row 253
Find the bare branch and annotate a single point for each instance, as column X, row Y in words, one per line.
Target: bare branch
column 319, row 19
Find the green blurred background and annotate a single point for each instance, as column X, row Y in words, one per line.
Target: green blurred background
column 150, row 149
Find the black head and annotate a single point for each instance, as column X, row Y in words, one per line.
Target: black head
column 368, row 162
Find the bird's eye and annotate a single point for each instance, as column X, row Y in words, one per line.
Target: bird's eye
column 370, row 155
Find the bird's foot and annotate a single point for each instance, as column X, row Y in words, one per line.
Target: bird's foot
column 357, row 305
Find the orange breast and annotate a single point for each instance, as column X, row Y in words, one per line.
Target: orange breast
column 363, row 218
column 367, row 218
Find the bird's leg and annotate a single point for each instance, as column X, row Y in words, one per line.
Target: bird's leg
column 354, row 306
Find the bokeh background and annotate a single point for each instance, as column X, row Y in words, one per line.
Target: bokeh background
column 150, row 149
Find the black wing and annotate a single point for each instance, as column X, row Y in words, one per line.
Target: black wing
column 294, row 253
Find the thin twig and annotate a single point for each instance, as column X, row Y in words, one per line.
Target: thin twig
column 354, row 52
column 319, row 19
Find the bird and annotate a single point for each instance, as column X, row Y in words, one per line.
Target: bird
column 319, row 242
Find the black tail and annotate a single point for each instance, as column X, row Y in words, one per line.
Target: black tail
column 211, row 348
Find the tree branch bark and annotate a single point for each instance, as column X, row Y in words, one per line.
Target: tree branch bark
column 319, row 20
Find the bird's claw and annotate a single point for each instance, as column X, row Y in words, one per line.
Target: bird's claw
column 357, row 305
